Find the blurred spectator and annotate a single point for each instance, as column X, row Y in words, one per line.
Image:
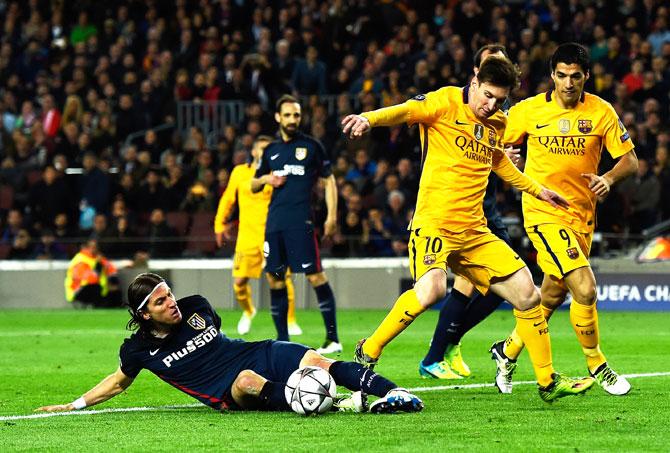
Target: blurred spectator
column 22, row 247
column 13, row 225
column 309, row 74
column 161, row 237
column 48, row 197
column 91, row 279
column 641, row 195
column 49, row 248
column 94, row 184
column 151, row 194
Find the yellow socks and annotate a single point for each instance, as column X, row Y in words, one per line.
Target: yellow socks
column 404, row 311
column 534, row 332
column 243, row 297
column 514, row 343
column 584, row 320
column 290, row 290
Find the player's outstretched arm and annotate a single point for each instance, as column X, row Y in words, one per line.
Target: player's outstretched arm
column 108, row 388
column 355, row 126
column 625, row 166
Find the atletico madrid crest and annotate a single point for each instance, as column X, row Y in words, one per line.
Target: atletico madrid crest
column 196, row 322
column 584, row 126
column 300, row 153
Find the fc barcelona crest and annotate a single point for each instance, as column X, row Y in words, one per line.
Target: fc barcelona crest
column 479, row 131
column 300, row 153
column 428, row 260
column 564, row 126
column 492, row 138
column 196, row 322
column 584, row 126
column 573, row 253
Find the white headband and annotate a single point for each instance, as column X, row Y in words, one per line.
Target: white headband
column 146, row 299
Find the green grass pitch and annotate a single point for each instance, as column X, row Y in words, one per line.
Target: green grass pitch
column 49, row 357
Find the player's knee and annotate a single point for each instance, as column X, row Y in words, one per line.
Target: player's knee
column 317, row 279
column 248, row 383
column 431, row 287
column 313, row 358
column 585, row 294
column 528, row 298
column 275, row 281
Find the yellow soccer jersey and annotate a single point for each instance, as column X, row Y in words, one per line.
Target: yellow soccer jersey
column 563, row 144
column 458, row 153
column 253, row 208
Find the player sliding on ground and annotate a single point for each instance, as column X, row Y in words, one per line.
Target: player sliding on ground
column 461, row 133
column 180, row 342
column 566, row 130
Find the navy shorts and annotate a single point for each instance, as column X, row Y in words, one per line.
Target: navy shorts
column 294, row 248
column 274, row 360
column 498, row 228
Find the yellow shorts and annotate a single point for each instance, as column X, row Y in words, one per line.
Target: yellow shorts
column 560, row 249
column 478, row 256
column 248, row 263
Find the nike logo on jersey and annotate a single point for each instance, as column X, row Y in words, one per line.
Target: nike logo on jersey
column 153, row 353
column 535, row 325
column 274, row 156
column 460, row 123
column 306, row 265
column 516, row 257
column 540, row 126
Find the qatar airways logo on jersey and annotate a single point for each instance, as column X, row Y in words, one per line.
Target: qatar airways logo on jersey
column 298, row 170
column 193, row 344
column 567, row 146
column 474, row 150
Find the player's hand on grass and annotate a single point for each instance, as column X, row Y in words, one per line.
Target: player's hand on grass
column 355, row 126
column 56, row 408
column 599, row 185
column 553, row 199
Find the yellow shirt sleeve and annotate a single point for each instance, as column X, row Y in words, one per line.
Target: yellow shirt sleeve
column 504, row 168
column 226, row 202
column 516, row 125
column 423, row 109
column 616, row 137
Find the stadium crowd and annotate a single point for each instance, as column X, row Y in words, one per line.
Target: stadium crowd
column 77, row 78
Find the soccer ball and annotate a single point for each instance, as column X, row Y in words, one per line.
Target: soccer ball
column 310, row 390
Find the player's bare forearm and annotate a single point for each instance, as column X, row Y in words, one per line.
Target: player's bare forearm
column 257, row 184
column 331, row 204
column 625, row 166
column 108, row 388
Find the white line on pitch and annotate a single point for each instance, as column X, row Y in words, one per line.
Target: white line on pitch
column 476, row 386
column 186, row 406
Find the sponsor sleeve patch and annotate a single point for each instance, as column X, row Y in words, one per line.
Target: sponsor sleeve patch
column 419, row 97
column 625, row 137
